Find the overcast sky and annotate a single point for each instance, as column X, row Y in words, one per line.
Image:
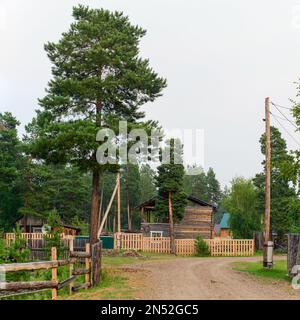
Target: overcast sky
column 221, row 59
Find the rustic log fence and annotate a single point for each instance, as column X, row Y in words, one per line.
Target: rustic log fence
column 91, row 271
column 186, row 247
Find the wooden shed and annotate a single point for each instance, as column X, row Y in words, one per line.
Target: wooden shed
column 224, row 226
column 197, row 219
column 34, row 224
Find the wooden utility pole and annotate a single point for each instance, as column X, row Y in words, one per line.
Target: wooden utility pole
column 171, row 222
column 119, row 212
column 268, row 258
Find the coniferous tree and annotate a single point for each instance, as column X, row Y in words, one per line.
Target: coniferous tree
column 171, row 199
column 98, row 79
column 147, row 183
column 170, row 179
column 285, row 206
column 214, row 193
column 10, row 174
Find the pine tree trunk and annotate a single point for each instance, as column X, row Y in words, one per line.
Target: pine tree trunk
column 172, row 234
column 95, row 208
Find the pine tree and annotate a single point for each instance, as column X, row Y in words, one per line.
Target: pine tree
column 214, row 193
column 147, row 183
column 98, row 79
column 171, row 198
column 285, row 207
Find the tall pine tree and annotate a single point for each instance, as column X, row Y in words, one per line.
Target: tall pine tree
column 98, row 79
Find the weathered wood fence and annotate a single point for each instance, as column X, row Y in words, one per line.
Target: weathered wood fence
column 186, row 247
column 37, row 245
column 92, row 271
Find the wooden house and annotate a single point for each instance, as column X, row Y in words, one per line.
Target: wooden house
column 34, row 224
column 197, row 219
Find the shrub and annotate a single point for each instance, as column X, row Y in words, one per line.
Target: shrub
column 202, row 249
column 53, row 238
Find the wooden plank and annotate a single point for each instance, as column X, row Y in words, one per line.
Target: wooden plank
column 78, row 272
column 66, row 282
column 31, row 266
column 79, row 254
column 54, row 272
column 28, row 285
column 87, row 265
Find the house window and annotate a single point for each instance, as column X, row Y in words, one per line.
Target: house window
column 36, row 230
column 156, row 234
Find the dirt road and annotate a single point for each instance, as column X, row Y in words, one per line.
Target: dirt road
column 209, row 278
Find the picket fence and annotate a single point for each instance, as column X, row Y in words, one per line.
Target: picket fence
column 185, row 247
column 31, row 237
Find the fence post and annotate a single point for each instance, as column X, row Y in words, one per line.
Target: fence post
column 71, row 266
column 96, row 263
column 54, row 272
column 87, row 266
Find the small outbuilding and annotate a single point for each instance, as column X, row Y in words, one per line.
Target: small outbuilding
column 34, row 224
column 224, row 226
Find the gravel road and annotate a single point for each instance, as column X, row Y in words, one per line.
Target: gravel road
column 209, row 278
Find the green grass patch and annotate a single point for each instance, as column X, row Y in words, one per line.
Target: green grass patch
column 279, row 271
column 119, row 260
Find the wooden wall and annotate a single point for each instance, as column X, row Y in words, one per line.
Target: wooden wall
column 196, row 220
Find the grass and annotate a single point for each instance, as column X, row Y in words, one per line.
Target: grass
column 119, row 260
column 279, row 271
column 117, row 282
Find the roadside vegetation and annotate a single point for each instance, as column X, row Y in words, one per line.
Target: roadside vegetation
column 279, row 271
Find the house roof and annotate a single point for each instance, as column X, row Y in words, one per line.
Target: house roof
column 224, row 224
column 151, row 202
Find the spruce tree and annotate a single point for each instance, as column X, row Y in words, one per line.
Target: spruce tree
column 10, row 174
column 98, row 79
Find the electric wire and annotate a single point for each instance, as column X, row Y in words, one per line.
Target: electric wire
column 283, row 127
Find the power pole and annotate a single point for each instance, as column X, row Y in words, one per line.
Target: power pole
column 171, row 222
column 119, row 212
column 268, row 245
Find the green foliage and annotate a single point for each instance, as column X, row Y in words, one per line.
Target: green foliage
column 241, row 203
column 170, row 180
column 16, row 251
column 53, row 238
column 204, row 186
column 98, row 78
column 147, row 183
column 84, row 226
column 202, row 249
column 10, row 163
column 285, row 205
column 48, row 187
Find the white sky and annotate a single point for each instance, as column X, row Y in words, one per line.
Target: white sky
column 221, row 59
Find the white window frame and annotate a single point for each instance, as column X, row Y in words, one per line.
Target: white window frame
column 36, row 229
column 157, row 232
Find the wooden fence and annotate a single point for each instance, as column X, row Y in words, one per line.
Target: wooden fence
column 90, row 258
column 34, row 238
column 186, row 247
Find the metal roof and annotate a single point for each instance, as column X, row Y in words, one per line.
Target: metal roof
column 224, row 224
